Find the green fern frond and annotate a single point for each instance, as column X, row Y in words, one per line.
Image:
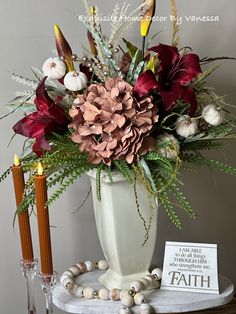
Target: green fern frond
column 200, row 160
column 164, row 200
column 109, row 173
column 182, row 200
column 64, row 186
column 203, row 145
column 98, row 181
column 5, row 174
column 123, row 167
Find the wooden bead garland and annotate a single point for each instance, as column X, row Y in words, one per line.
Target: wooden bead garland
column 128, row 298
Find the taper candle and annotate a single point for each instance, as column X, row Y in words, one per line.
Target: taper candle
column 40, row 182
column 23, row 217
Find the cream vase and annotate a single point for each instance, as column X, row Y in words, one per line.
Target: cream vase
column 121, row 230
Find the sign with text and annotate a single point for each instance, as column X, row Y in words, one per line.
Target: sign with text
column 190, row 267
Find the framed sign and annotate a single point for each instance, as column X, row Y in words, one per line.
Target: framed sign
column 190, row 267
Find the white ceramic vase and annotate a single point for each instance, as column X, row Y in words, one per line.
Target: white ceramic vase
column 121, row 231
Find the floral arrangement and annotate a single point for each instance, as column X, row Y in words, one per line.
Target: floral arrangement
column 144, row 112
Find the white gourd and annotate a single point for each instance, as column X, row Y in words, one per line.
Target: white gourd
column 212, row 115
column 186, row 126
column 170, row 147
column 75, row 81
column 54, row 68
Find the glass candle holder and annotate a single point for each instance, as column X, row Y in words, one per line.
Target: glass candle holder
column 29, row 270
column 48, row 283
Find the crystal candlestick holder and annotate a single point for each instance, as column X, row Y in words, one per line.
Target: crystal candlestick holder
column 29, row 270
column 48, row 283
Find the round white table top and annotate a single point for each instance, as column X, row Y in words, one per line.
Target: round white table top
column 161, row 301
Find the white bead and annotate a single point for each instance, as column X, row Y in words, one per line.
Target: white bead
column 104, row 294
column 88, row 293
column 186, row 126
column 157, row 272
column 79, row 292
column 137, row 285
column 123, row 293
column 67, row 282
column 89, row 265
column 75, row 270
column 212, row 115
column 68, row 273
column 127, row 301
column 102, row 264
column 63, row 277
column 124, row 311
column 115, row 294
column 54, row 68
column 145, row 308
column 82, row 267
column 73, row 288
column 75, row 81
column 138, row 298
column 149, row 279
column 145, row 282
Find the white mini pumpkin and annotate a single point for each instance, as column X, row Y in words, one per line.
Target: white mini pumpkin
column 169, row 146
column 212, row 115
column 186, row 126
column 54, row 68
column 75, row 81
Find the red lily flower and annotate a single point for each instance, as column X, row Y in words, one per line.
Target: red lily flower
column 48, row 118
column 174, row 75
column 145, row 84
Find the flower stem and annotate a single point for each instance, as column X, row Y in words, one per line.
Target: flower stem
column 143, row 46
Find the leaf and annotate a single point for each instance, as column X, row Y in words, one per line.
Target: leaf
column 103, row 52
column 49, row 83
column 24, row 80
column 27, row 107
column 123, row 167
column 98, row 181
column 137, row 71
column 151, row 64
column 131, row 48
column 199, row 160
column 203, row 145
column 208, row 60
column 169, row 209
column 148, row 42
column 205, row 74
column 133, row 65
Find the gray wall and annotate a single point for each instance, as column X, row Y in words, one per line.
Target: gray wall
column 26, row 39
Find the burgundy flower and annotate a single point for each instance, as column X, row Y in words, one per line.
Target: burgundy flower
column 174, row 75
column 48, row 118
column 145, row 84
